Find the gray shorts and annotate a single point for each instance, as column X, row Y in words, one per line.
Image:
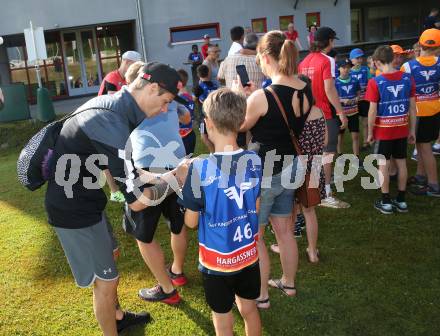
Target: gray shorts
column 89, row 252
column 332, row 135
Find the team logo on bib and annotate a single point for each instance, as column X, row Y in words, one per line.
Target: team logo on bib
column 347, row 88
column 427, row 74
column 233, row 194
column 395, row 89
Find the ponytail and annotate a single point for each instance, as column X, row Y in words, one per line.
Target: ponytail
column 282, row 50
column 288, row 58
column 318, row 46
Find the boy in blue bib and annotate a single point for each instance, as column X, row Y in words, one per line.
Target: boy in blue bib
column 349, row 90
column 363, row 74
column 221, row 196
column 201, row 92
column 391, row 125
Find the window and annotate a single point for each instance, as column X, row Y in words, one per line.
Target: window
column 51, row 69
column 284, row 21
column 194, row 33
column 404, row 23
column 109, row 49
column 113, row 40
column 391, row 22
column 356, row 25
column 259, row 26
column 313, row 19
column 53, row 78
column 378, row 27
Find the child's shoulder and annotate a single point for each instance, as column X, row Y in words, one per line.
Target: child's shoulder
column 240, row 161
column 206, row 83
column 200, row 160
column 247, row 154
column 354, row 80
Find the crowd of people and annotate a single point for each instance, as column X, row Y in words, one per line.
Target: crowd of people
column 143, row 123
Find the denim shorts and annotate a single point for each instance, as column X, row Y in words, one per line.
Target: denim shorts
column 275, row 201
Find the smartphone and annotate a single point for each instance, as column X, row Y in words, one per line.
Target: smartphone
column 242, row 72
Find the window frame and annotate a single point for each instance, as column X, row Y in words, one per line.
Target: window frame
column 43, row 72
column 118, row 55
column 264, row 25
column 215, row 25
column 318, row 21
column 290, row 17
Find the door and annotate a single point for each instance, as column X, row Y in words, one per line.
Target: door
column 81, row 62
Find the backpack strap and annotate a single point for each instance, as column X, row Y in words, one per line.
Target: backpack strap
column 74, row 113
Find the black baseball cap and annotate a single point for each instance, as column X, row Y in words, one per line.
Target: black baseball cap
column 344, row 62
column 324, row 34
column 165, row 76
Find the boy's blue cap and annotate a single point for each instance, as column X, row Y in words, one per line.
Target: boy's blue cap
column 344, row 63
column 355, row 53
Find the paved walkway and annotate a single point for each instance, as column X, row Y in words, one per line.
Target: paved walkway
column 63, row 106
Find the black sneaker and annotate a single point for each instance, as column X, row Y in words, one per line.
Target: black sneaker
column 300, row 221
column 385, row 208
column 413, row 181
column 425, row 191
column 156, row 294
column 130, row 319
column 365, row 147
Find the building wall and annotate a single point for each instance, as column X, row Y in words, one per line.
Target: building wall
column 229, row 13
column 160, row 15
column 56, row 14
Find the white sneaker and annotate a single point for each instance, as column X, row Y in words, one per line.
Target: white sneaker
column 334, row 203
column 414, row 155
column 399, row 206
column 436, row 149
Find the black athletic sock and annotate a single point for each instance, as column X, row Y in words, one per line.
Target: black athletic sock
column 400, row 196
column 386, row 199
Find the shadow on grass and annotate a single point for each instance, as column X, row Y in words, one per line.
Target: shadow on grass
column 47, row 259
column 201, row 321
column 41, row 252
column 198, row 318
column 136, row 330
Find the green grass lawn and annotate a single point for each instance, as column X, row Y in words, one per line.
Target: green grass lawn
column 379, row 275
